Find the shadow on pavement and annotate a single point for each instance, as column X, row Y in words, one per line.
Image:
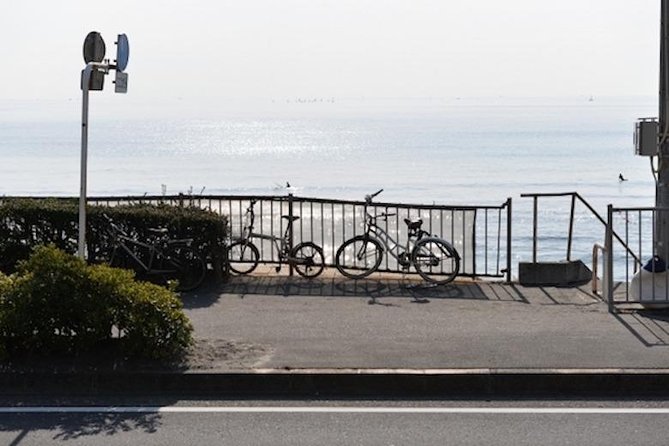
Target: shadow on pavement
column 650, row 327
column 330, row 287
column 387, row 287
column 78, row 426
column 286, row 286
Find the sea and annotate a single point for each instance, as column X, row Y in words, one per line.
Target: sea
column 451, row 151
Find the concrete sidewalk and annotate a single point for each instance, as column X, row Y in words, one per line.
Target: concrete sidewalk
column 278, row 336
column 333, row 323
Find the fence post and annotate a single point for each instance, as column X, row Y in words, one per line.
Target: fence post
column 608, row 270
column 508, row 240
column 290, row 232
column 534, row 230
column 571, row 227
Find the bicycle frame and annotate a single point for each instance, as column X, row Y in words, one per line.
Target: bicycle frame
column 282, row 244
column 391, row 246
column 153, row 252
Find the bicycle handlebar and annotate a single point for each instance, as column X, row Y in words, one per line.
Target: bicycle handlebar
column 368, row 198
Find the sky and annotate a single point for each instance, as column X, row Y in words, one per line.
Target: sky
column 206, row 50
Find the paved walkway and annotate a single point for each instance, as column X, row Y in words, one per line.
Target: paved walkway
column 267, row 336
column 292, row 323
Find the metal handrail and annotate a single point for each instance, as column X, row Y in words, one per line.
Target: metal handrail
column 574, row 196
column 596, row 248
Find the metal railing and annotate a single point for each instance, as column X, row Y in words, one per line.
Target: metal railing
column 570, row 232
column 628, row 283
column 481, row 234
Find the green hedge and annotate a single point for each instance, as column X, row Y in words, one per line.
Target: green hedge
column 27, row 223
column 57, row 304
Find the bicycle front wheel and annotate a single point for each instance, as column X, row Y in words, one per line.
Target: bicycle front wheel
column 243, row 257
column 189, row 267
column 436, row 260
column 359, row 257
column 307, row 258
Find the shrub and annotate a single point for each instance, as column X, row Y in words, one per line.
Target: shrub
column 56, row 303
column 27, row 223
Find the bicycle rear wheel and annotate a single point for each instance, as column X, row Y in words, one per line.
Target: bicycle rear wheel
column 436, row 260
column 188, row 265
column 243, row 257
column 359, row 257
column 307, row 258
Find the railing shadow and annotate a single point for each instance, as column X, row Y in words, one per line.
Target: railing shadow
column 387, row 287
column 371, row 288
column 650, row 327
column 562, row 296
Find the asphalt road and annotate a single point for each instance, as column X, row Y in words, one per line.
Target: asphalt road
column 334, row 423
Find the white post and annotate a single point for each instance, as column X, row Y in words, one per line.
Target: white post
column 84, row 160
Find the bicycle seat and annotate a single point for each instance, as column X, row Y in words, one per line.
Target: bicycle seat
column 413, row 225
column 158, row 230
column 289, row 218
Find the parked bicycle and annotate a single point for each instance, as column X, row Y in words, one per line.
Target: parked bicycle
column 243, row 255
column 435, row 259
column 164, row 258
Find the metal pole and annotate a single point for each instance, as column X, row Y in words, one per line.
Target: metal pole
column 84, row 160
column 290, row 232
column 607, row 289
column 508, row 240
column 571, row 227
column 662, row 188
column 534, row 231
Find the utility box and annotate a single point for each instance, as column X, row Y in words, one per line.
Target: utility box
column 646, row 140
column 96, row 81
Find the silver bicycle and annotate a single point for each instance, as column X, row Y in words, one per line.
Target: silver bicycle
column 435, row 259
column 243, row 255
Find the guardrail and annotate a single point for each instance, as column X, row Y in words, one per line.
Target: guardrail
column 481, row 234
column 628, row 283
column 570, row 234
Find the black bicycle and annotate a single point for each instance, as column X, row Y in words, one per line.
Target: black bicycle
column 243, row 255
column 163, row 258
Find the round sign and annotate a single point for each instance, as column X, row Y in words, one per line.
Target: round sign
column 94, row 47
column 122, row 52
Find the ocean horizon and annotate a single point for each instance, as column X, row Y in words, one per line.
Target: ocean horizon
column 448, row 151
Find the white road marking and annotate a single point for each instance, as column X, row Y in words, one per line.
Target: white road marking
column 325, row 409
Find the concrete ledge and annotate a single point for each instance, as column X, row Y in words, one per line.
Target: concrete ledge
column 565, row 273
column 351, row 383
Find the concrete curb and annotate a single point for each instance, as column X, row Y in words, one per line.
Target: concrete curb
column 350, row 383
